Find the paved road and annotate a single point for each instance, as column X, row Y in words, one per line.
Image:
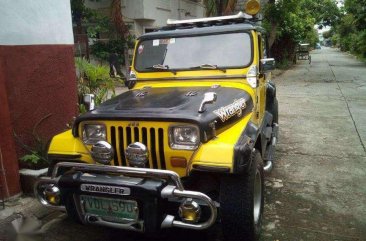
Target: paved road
column 317, row 190
column 318, row 187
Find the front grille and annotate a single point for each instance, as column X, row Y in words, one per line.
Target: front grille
column 153, row 138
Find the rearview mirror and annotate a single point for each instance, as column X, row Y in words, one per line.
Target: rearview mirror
column 267, row 65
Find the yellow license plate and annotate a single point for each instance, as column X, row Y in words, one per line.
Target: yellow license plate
column 115, row 209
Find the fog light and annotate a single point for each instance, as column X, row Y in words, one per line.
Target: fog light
column 190, row 211
column 52, row 195
column 102, row 152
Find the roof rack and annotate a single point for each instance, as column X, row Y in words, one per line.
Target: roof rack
column 240, row 15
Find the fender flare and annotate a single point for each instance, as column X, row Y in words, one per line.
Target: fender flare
column 245, row 146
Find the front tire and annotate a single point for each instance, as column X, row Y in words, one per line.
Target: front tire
column 241, row 202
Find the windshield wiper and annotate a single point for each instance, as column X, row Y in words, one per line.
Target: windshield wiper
column 209, row 66
column 161, row 67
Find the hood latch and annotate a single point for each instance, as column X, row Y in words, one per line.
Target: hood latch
column 209, row 98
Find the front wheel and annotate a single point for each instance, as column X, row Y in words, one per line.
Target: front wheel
column 241, row 202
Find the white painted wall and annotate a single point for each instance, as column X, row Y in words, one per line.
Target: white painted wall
column 151, row 13
column 34, row 22
column 156, row 12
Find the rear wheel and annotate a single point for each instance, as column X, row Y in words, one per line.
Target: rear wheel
column 241, row 202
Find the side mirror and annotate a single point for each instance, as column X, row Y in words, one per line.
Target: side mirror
column 89, row 101
column 267, row 65
column 131, row 80
column 130, row 83
column 209, row 98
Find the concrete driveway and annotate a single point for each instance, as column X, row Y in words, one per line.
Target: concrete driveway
column 317, row 190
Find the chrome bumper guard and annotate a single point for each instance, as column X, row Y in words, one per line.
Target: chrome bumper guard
column 173, row 191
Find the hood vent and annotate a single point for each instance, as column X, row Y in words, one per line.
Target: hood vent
column 141, row 93
column 192, row 93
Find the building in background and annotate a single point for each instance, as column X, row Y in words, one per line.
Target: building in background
column 146, row 15
column 37, row 79
column 142, row 16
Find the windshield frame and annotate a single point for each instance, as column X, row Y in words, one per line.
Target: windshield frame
column 249, row 32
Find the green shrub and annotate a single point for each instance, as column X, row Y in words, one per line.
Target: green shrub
column 102, row 50
column 93, row 79
column 360, row 47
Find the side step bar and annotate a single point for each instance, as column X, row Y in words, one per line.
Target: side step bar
column 269, row 162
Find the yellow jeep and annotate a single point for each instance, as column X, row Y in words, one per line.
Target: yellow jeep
column 186, row 146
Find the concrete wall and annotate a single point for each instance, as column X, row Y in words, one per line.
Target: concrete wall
column 149, row 14
column 37, row 77
column 142, row 14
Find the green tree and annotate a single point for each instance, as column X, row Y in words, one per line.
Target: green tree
column 113, row 26
column 357, row 9
column 290, row 22
column 123, row 32
column 93, row 79
column 219, row 7
column 350, row 33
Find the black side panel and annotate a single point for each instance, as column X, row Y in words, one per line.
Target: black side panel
column 244, row 147
column 271, row 95
column 267, row 121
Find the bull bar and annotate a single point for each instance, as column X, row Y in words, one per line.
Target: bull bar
column 173, row 190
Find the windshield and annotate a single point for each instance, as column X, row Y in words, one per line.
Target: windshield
column 212, row 51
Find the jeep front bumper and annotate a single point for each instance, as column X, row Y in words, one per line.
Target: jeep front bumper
column 156, row 196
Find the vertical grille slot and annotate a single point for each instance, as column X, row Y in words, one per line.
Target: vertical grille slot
column 136, row 134
column 161, row 148
column 145, row 142
column 128, row 140
column 113, row 142
column 144, row 136
column 153, row 148
column 122, row 146
column 128, row 133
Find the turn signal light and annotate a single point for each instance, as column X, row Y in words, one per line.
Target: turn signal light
column 252, row 7
column 178, row 162
column 190, row 211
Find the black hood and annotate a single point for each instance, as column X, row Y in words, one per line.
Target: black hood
column 175, row 105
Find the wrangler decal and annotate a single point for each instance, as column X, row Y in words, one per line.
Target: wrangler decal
column 105, row 189
column 236, row 108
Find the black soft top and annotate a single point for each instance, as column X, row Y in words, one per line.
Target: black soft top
column 199, row 29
